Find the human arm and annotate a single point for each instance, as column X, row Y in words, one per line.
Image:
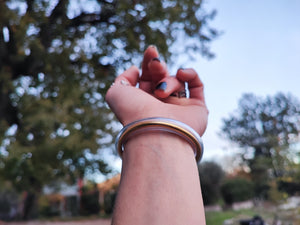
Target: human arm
column 159, row 182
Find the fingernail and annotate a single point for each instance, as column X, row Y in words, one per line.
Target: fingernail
column 156, row 59
column 181, row 68
column 153, row 46
column 161, row 86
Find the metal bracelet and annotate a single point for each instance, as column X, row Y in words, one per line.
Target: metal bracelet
column 161, row 124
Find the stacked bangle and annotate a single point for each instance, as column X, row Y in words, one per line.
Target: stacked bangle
column 161, row 124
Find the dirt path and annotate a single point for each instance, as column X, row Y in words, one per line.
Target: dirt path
column 79, row 222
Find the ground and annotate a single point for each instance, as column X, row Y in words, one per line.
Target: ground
column 81, row 222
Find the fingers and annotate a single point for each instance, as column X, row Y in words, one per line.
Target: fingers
column 194, row 83
column 150, row 53
column 158, row 70
column 128, row 77
column 167, row 86
column 153, row 70
column 123, row 97
column 156, row 80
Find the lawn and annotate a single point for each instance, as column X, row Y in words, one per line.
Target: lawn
column 218, row 218
column 268, row 215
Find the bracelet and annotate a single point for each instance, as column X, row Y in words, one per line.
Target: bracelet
column 161, row 124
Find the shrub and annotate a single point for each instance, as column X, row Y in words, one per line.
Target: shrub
column 275, row 195
column 211, row 176
column 290, row 187
column 237, row 189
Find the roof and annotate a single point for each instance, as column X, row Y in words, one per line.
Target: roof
column 109, row 184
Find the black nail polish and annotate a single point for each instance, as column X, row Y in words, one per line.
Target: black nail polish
column 156, row 59
column 161, row 86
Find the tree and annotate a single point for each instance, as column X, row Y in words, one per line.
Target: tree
column 57, row 59
column 265, row 129
column 211, row 176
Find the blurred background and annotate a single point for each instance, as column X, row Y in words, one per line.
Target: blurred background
column 58, row 58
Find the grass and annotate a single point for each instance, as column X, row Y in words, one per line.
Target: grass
column 218, row 218
column 268, row 214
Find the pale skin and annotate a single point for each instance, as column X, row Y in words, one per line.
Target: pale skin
column 160, row 182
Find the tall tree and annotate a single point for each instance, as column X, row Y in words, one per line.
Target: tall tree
column 264, row 128
column 57, row 59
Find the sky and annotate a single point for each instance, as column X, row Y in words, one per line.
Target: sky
column 258, row 52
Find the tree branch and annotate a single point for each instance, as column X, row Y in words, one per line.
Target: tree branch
column 47, row 29
column 91, row 18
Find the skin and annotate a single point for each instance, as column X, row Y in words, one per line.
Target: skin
column 159, row 182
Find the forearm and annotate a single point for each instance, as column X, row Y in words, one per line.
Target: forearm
column 160, row 183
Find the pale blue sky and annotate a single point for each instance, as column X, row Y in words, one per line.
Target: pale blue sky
column 259, row 53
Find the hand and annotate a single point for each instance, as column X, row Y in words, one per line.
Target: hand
column 153, row 97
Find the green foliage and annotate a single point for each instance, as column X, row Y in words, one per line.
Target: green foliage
column 264, row 124
column 217, row 218
column 57, row 59
column 211, row 176
column 276, row 195
column 265, row 129
column 237, row 189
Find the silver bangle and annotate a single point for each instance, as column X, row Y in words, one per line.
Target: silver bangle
column 161, row 124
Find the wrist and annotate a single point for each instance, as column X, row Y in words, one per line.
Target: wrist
column 158, row 167
column 160, row 145
column 160, row 125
